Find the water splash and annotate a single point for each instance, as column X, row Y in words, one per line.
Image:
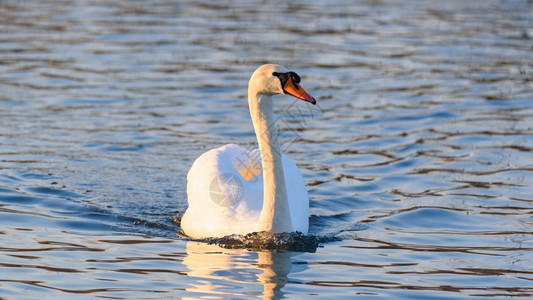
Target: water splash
column 260, row 241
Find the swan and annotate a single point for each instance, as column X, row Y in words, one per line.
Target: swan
column 234, row 190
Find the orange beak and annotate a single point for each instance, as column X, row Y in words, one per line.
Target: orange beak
column 294, row 89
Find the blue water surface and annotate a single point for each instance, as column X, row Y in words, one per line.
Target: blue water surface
column 417, row 158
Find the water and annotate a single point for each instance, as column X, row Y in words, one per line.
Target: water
column 418, row 155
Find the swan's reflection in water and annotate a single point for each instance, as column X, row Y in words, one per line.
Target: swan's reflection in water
column 238, row 272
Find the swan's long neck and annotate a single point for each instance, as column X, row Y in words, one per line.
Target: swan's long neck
column 275, row 215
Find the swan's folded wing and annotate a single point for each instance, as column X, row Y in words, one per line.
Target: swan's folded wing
column 216, row 194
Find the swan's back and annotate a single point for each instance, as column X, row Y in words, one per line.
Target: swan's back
column 222, row 202
column 215, row 192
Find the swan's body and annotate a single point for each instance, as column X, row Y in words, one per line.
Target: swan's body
column 232, row 190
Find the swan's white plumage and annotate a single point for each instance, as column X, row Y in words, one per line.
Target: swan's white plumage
column 223, row 202
column 204, row 218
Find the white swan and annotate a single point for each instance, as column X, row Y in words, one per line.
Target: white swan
column 232, row 190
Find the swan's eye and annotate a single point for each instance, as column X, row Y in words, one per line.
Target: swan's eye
column 284, row 76
column 295, row 77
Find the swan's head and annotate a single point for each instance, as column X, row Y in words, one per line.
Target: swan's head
column 272, row 79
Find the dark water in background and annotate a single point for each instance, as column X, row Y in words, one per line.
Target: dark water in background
column 419, row 153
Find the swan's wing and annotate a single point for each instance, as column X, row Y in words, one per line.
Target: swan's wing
column 220, row 200
column 297, row 194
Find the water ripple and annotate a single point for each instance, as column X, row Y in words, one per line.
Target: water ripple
column 418, row 154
